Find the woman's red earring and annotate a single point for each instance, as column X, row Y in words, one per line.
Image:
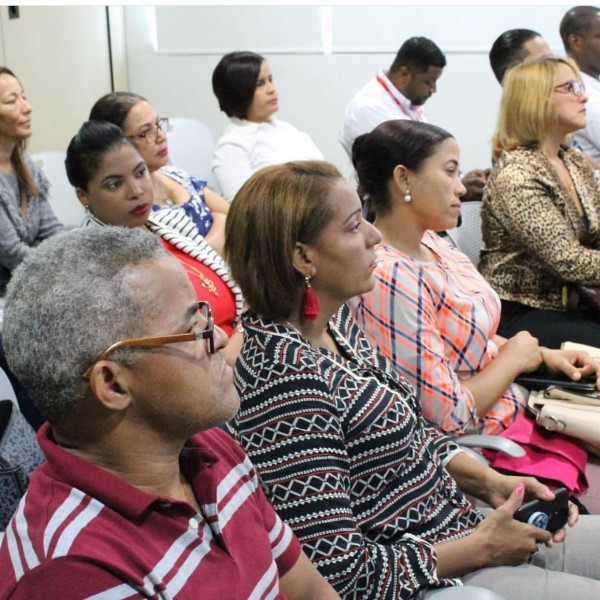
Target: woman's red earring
column 310, row 302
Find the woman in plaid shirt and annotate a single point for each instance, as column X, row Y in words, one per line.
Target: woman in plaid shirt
column 431, row 312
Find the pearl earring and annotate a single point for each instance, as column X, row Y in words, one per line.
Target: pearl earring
column 407, row 196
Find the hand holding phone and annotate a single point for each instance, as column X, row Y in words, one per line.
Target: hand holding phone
column 546, row 514
column 539, row 380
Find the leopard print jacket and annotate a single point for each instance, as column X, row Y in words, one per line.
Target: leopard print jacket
column 536, row 244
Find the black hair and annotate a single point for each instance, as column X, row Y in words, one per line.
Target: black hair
column 88, row 147
column 418, row 54
column 508, row 50
column 115, row 107
column 375, row 155
column 576, row 22
column 234, row 82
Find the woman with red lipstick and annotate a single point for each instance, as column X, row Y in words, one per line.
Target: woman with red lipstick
column 26, row 217
column 175, row 192
column 541, row 208
column 113, row 182
column 431, row 313
column 243, row 85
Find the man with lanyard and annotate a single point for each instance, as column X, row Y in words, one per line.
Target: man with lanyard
column 400, row 93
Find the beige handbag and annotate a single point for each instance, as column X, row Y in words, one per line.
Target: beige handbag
column 574, row 414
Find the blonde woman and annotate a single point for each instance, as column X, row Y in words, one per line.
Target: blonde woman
column 541, row 215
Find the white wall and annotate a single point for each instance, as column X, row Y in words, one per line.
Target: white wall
column 60, row 54
column 314, row 87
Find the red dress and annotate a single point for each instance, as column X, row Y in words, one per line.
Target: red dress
column 209, row 287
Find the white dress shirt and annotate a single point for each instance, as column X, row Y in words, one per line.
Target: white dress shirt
column 589, row 137
column 375, row 103
column 245, row 147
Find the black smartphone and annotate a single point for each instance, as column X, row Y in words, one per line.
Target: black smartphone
column 540, row 381
column 550, row 515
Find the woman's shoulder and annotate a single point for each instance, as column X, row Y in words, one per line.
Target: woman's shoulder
column 390, row 260
column 175, row 173
column 524, row 155
column 576, row 157
column 518, row 165
column 279, row 124
column 265, row 339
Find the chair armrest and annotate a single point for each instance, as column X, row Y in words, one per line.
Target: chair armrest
column 492, row 442
column 463, row 592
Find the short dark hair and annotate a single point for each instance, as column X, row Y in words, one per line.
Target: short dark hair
column 274, row 209
column 234, row 82
column 418, row 54
column 88, row 146
column 576, row 22
column 508, row 50
column 375, row 155
column 115, row 107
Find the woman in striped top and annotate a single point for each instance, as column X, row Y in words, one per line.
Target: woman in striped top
column 373, row 491
column 112, row 181
column 174, row 190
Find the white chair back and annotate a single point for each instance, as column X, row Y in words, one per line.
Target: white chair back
column 6, row 389
column 191, row 145
column 63, row 200
column 468, row 237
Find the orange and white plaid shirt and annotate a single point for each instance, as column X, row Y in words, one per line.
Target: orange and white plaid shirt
column 436, row 321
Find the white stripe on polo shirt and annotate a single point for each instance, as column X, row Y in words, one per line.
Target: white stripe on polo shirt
column 173, row 554
column 73, row 529
column 120, row 592
column 17, row 534
column 187, row 569
column 71, row 502
column 267, row 586
column 240, row 496
column 285, row 540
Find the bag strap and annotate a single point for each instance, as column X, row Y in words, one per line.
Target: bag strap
column 555, row 392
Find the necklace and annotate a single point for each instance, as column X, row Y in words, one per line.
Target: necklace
column 161, row 193
column 207, row 284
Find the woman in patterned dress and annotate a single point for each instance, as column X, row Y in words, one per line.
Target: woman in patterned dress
column 373, row 491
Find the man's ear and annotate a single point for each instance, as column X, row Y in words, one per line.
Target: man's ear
column 301, row 260
column 110, row 385
column 83, row 197
column 403, row 75
column 574, row 41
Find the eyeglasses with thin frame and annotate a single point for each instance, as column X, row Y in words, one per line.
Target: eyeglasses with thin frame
column 207, row 334
column 151, row 134
column 574, row 87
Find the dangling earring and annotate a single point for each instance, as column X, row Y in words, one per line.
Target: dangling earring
column 407, row 196
column 310, row 302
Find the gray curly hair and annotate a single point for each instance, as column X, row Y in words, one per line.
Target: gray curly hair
column 69, row 300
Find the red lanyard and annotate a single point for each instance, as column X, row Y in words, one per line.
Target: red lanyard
column 410, row 115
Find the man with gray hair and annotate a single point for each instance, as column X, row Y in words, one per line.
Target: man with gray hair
column 141, row 496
